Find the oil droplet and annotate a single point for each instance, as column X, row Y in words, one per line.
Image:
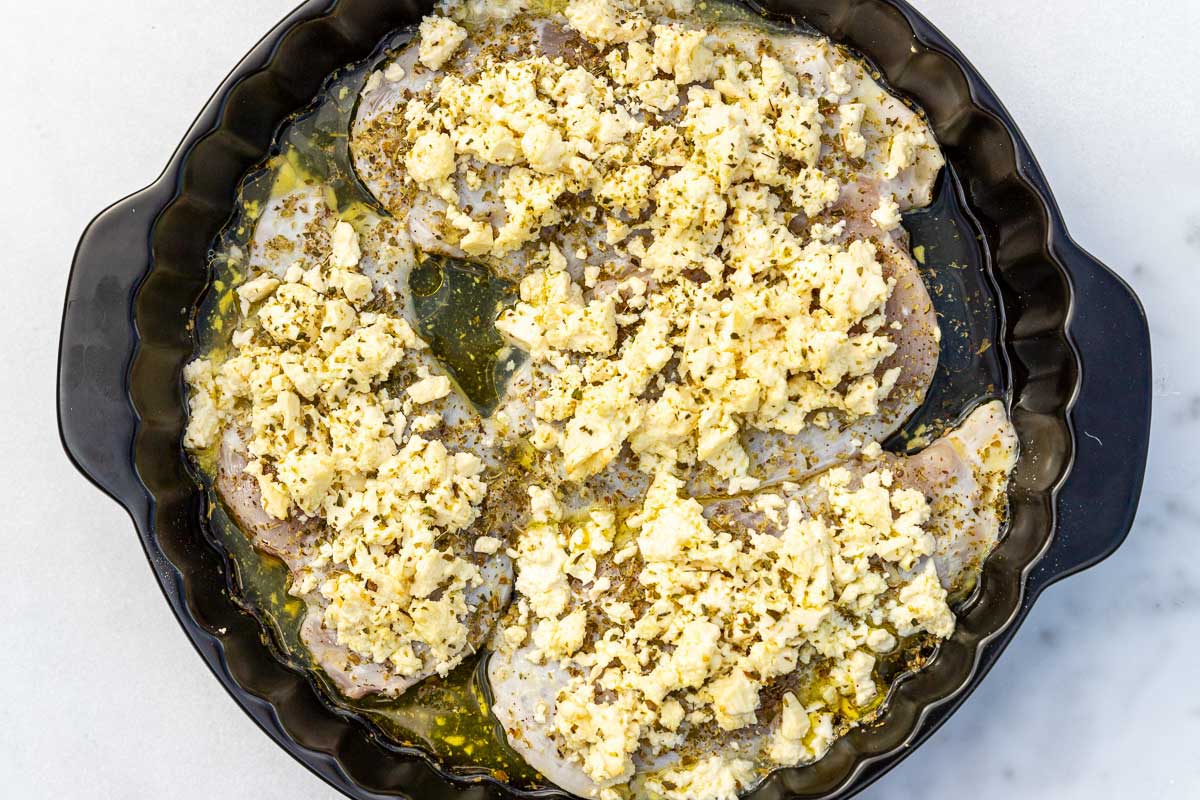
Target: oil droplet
column 456, row 306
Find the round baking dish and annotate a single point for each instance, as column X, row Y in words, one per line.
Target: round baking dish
column 1074, row 339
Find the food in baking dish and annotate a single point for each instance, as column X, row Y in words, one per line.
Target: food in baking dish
column 654, row 496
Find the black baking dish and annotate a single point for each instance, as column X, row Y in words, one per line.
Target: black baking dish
column 1074, row 338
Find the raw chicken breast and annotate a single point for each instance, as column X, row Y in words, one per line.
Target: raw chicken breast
column 295, row 230
column 964, row 475
column 294, row 540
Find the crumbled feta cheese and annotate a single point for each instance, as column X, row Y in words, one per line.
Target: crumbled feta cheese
column 544, row 148
column 839, row 80
column 601, row 23
column 426, row 390
column 425, row 423
column 394, row 73
column 306, row 393
column 717, row 777
column 439, row 38
column 683, row 53
column 431, row 158
column 346, row 250
column 660, row 95
column 374, row 81
column 488, row 545
column 902, row 153
column 887, row 215
column 850, row 119
column 253, row 291
column 204, row 419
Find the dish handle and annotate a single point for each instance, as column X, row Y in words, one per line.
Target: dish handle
column 1110, row 418
column 96, row 420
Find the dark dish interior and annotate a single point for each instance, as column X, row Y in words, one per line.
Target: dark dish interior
column 992, row 242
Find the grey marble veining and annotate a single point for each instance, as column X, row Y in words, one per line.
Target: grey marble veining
column 103, row 697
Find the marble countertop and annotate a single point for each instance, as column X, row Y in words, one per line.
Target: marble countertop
column 104, row 698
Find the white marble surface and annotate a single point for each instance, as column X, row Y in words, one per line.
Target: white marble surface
column 104, row 698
